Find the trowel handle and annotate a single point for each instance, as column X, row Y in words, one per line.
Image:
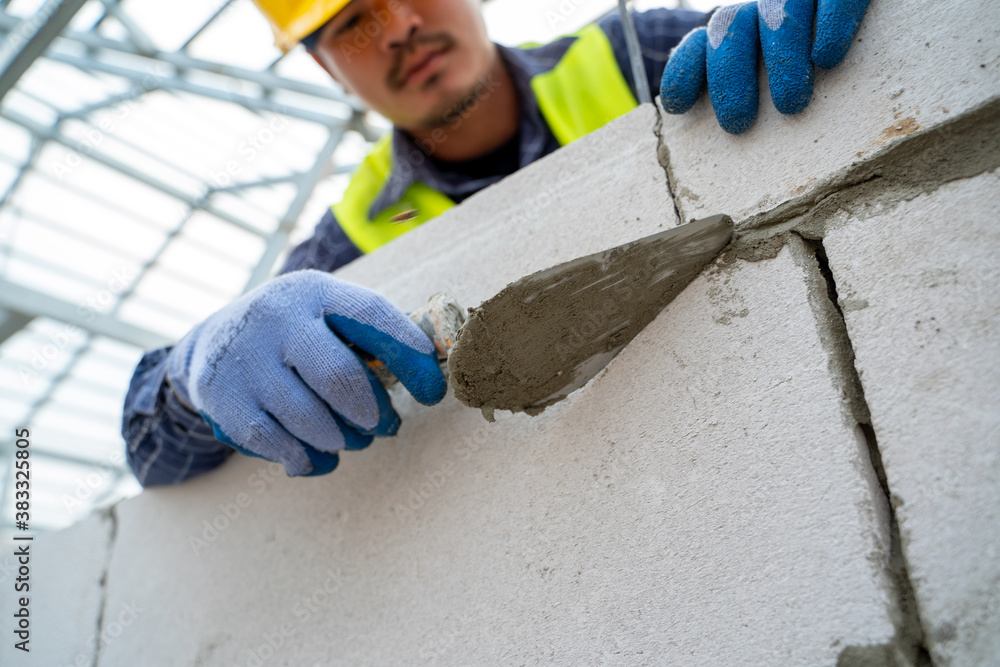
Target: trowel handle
column 440, row 319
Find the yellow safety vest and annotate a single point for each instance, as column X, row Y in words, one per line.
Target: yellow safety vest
column 583, row 92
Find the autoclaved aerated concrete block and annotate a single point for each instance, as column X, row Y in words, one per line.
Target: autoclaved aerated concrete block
column 704, row 501
column 65, row 579
column 913, row 65
column 918, row 285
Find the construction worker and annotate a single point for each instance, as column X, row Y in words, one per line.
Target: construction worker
column 270, row 374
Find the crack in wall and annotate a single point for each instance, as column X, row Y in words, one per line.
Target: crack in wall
column 912, row 631
column 663, row 155
column 908, row 647
column 111, row 514
column 961, row 148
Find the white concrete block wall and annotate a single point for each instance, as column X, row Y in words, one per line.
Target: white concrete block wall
column 914, row 65
column 913, row 257
column 66, row 593
column 710, row 498
column 704, row 501
column 921, row 282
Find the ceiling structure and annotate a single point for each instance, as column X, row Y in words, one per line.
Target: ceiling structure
column 147, row 177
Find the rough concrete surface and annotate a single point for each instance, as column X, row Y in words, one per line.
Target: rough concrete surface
column 913, row 65
column 66, row 578
column 919, row 290
column 704, row 501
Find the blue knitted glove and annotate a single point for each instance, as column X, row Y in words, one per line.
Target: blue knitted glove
column 272, row 375
column 724, row 56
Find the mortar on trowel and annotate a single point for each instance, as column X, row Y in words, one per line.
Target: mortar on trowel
column 546, row 335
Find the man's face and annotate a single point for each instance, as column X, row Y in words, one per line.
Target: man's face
column 413, row 61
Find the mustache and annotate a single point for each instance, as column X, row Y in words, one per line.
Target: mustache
column 440, row 41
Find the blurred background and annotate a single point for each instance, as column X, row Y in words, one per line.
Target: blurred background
column 157, row 159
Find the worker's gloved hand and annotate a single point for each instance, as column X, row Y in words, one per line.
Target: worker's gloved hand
column 724, row 56
column 273, row 376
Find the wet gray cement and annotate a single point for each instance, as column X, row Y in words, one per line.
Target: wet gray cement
column 960, row 148
column 544, row 336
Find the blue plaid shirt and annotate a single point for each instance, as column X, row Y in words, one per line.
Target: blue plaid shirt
column 167, row 443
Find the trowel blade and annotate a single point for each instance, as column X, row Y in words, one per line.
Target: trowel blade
column 545, row 335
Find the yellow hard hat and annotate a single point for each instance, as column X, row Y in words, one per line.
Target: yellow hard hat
column 291, row 21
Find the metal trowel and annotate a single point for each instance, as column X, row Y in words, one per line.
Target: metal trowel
column 547, row 334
